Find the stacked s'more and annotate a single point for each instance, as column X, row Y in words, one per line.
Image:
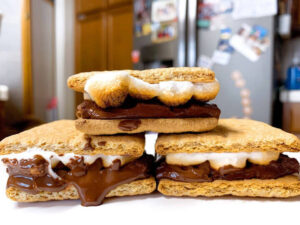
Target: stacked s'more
column 168, row 100
column 130, row 102
column 239, row 157
column 57, row 162
column 102, row 153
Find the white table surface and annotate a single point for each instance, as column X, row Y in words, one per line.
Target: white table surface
column 151, row 209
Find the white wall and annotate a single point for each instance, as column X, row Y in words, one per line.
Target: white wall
column 64, row 45
column 10, row 56
column 43, row 54
column 52, row 56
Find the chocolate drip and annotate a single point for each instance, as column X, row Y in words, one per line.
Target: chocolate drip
column 93, row 182
column 129, row 125
column 134, row 109
column 204, row 173
column 88, row 146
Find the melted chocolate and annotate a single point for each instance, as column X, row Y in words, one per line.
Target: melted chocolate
column 204, row 173
column 102, row 143
column 134, row 109
column 93, row 182
column 32, row 175
column 88, row 146
column 129, row 125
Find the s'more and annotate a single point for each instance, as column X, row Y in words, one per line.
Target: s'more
column 56, row 162
column 165, row 100
column 239, row 157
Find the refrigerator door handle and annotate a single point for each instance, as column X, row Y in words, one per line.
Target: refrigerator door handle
column 192, row 33
column 181, row 8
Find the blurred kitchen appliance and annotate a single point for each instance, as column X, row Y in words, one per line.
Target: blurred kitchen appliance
column 291, row 110
column 293, row 74
column 167, row 52
column 285, row 18
column 247, row 95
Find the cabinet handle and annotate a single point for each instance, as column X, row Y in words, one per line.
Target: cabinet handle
column 85, row 15
column 81, row 16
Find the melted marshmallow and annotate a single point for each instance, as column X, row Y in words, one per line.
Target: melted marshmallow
column 105, row 79
column 52, row 158
column 140, row 85
column 170, row 88
column 218, row 160
column 174, row 88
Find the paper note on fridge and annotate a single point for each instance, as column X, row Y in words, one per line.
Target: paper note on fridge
column 251, row 42
column 221, row 58
column 205, row 61
column 254, row 8
column 163, row 11
column 224, row 50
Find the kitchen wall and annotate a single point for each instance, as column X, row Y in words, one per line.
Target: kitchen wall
column 43, row 55
column 64, row 57
column 10, row 56
column 52, row 56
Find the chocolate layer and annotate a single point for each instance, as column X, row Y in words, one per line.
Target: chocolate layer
column 135, row 109
column 31, row 175
column 93, row 182
column 204, row 173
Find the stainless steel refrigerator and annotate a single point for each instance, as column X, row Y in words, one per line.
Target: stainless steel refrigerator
column 246, row 86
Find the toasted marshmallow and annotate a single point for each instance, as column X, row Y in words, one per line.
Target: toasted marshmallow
column 263, row 158
column 142, row 90
column 206, row 91
column 109, row 89
column 218, row 160
column 53, row 159
column 107, row 160
column 175, row 93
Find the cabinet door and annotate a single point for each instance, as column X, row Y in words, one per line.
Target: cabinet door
column 114, row 3
column 90, row 5
column 120, row 26
column 91, row 43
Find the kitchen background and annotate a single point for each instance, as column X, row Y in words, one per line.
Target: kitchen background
column 252, row 45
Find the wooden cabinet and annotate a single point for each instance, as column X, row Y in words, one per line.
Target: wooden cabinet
column 104, row 33
column 103, row 36
column 91, row 53
column 112, row 3
column 90, row 5
column 120, row 38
